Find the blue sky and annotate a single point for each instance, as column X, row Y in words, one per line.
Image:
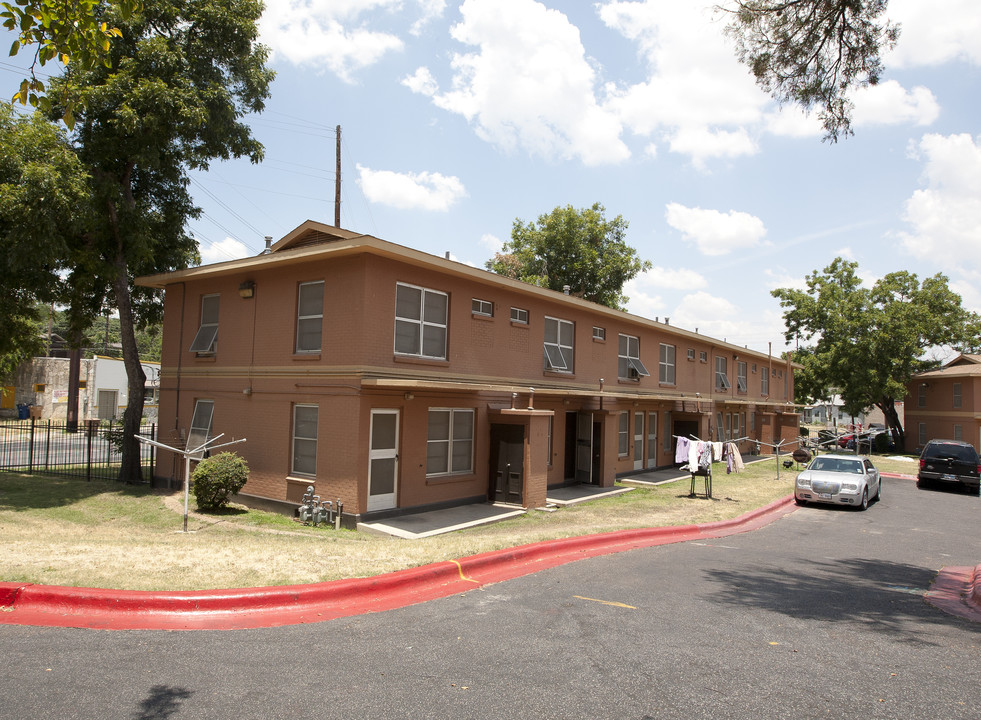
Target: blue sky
column 458, row 117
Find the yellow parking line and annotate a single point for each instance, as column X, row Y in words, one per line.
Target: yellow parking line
column 605, row 602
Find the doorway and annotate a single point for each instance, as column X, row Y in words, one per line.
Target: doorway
column 652, row 440
column 638, row 441
column 507, row 459
column 383, row 460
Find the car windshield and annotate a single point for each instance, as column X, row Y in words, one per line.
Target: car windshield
column 831, row 464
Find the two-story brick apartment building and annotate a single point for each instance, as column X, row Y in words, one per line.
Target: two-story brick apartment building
column 945, row 404
column 393, row 379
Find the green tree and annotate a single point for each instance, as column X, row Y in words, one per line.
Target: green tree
column 69, row 32
column 179, row 81
column 813, row 52
column 867, row 343
column 43, row 195
column 575, row 247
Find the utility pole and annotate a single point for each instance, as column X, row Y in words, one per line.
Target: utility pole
column 337, row 182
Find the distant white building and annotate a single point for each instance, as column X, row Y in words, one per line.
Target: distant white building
column 830, row 413
column 42, row 384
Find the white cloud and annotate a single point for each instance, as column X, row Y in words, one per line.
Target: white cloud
column 889, row 103
column 945, row 215
column 227, row 249
column 701, row 144
column 644, row 291
column 714, row 232
column 421, row 82
column 411, row 191
column 935, row 32
column 792, row 121
column 431, row 10
column 491, row 242
column 529, row 85
column 325, row 32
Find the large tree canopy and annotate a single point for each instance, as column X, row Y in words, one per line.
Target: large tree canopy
column 813, row 52
column 179, row 80
column 575, row 247
column 866, row 344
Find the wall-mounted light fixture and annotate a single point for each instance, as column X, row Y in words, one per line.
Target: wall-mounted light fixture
column 247, row 289
column 409, row 396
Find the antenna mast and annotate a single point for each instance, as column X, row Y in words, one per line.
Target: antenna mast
column 337, row 182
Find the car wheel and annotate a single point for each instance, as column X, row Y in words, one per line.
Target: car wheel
column 800, row 501
column 865, row 499
column 878, row 491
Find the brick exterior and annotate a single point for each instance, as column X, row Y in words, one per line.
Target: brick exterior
column 945, row 404
column 494, row 366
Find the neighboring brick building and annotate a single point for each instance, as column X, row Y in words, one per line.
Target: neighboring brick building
column 393, row 379
column 945, row 404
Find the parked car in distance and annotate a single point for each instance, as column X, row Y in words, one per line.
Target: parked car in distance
column 838, row 480
column 950, row 462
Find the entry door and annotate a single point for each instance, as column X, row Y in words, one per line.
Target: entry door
column 584, row 448
column 383, row 460
column 507, row 463
column 638, row 441
column 652, row 439
column 108, row 404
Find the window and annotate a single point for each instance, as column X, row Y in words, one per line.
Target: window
column 765, row 381
column 666, row 364
column 719, row 428
column 205, row 340
column 559, row 340
column 449, row 448
column 957, row 395
column 305, row 419
column 310, row 317
column 921, row 437
column 741, row 376
column 703, row 356
column 482, row 307
column 420, row 321
column 722, row 373
column 518, row 315
column 629, row 365
column 958, row 432
column 623, row 435
column 691, row 353
column 599, row 333
column 921, row 396
column 200, row 426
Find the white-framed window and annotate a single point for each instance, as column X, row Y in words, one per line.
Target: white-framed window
column 305, row 421
column 420, row 321
column 599, row 333
column 200, row 425
column 921, row 434
column 628, row 359
column 519, row 315
column 765, row 381
column 449, row 444
column 691, row 354
column 206, row 339
column 482, row 307
column 741, row 376
column 722, row 373
column 921, row 396
column 559, row 345
column 703, row 356
column 309, row 316
column 666, row 367
column 957, row 396
column 623, row 434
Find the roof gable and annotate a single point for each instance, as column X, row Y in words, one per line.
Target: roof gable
column 313, row 233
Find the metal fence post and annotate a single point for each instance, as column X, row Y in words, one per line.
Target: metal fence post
column 30, row 450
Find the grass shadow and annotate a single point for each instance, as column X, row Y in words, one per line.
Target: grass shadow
column 19, row 492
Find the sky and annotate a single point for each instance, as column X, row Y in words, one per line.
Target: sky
column 457, row 118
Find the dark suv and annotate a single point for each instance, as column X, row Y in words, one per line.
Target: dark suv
column 950, row 461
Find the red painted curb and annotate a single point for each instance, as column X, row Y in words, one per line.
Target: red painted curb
column 59, row 606
column 957, row 590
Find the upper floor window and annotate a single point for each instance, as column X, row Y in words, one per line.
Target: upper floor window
column 305, row 420
column 420, row 321
column 765, row 381
column 666, row 367
column 741, row 376
column 449, row 445
column 722, row 373
column 206, row 339
column 691, row 353
column 559, row 345
column 957, row 395
column 599, row 333
column 482, row 307
column 703, row 356
column 629, row 364
column 519, row 315
column 310, row 316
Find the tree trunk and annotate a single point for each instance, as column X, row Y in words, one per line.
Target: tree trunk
column 130, row 470
column 888, row 407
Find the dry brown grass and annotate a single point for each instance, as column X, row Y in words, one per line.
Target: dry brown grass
column 92, row 535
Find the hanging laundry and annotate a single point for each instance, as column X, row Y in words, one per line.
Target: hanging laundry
column 704, row 456
column 716, row 451
column 693, row 450
column 681, row 450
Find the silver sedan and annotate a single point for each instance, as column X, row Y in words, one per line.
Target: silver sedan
column 838, row 480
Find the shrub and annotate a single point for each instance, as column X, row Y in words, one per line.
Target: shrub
column 217, row 478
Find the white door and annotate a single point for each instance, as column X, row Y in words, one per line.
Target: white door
column 383, row 460
column 638, row 441
column 651, row 440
